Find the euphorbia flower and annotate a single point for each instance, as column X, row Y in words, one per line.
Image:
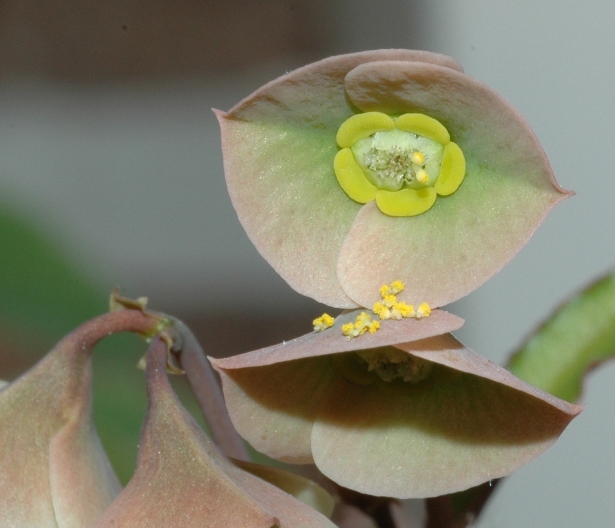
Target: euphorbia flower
column 407, row 411
column 53, row 470
column 366, row 168
column 182, row 478
column 387, row 167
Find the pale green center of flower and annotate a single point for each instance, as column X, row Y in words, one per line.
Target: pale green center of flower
column 393, row 159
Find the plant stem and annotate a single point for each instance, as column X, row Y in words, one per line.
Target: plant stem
column 441, row 511
column 206, row 389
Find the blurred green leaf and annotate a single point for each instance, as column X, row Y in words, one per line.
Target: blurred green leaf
column 41, row 292
column 579, row 335
column 44, row 296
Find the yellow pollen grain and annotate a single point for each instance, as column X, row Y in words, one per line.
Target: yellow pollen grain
column 323, row 322
column 362, row 324
column 423, row 311
column 404, row 310
column 417, row 158
column 348, row 329
column 363, row 321
column 378, row 308
column 397, row 286
column 390, row 300
column 384, row 291
column 422, row 176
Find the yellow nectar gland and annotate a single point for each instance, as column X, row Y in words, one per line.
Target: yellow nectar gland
column 323, row 322
column 403, row 163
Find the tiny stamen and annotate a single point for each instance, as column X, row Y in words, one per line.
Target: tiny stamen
column 392, row 308
column 417, row 158
column 362, row 324
column 422, row 176
column 423, row 311
column 323, row 322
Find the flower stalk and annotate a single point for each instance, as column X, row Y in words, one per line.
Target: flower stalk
column 207, row 391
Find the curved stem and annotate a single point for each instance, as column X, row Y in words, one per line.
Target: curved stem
column 207, row 391
column 84, row 337
column 439, row 512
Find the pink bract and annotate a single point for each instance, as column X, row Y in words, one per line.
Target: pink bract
column 279, row 144
column 468, row 422
column 55, row 472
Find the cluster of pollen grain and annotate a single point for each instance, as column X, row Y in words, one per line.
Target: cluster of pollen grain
column 390, row 307
column 391, row 364
column 362, row 324
column 323, row 322
column 395, row 288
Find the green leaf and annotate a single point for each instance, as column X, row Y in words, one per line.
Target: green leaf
column 42, row 293
column 43, row 296
column 580, row 335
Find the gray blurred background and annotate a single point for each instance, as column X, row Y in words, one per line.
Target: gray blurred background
column 107, row 141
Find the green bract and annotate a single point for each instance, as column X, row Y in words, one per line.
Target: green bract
column 279, row 149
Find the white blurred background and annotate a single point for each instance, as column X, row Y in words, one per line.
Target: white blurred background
column 107, row 139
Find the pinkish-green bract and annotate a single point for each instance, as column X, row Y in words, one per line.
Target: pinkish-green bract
column 279, row 148
column 460, row 422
